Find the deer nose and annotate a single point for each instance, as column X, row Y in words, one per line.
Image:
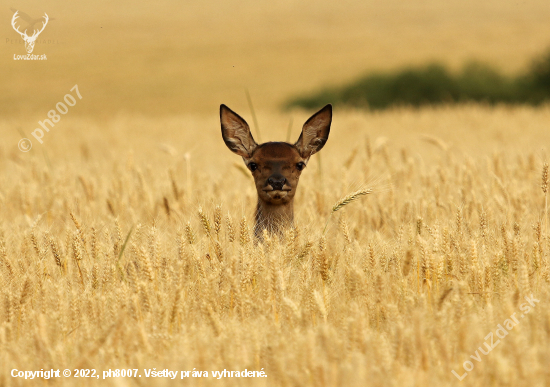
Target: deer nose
column 277, row 182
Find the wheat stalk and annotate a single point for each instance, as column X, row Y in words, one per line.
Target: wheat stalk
column 205, row 222
column 189, row 234
column 345, row 201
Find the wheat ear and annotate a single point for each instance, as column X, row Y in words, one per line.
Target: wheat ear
column 345, row 201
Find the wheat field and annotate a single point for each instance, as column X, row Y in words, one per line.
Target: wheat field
column 134, row 250
column 168, row 56
column 125, row 237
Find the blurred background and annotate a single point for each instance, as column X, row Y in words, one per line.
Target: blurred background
column 170, row 57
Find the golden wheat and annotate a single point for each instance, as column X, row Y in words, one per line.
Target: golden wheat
column 402, row 290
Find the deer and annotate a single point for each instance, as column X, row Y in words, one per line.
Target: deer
column 29, row 40
column 275, row 166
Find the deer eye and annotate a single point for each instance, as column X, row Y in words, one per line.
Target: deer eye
column 252, row 166
column 300, row 166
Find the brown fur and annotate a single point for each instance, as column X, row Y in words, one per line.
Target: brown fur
column 275, row 166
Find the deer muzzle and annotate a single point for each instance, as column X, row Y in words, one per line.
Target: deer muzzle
column 277, row 183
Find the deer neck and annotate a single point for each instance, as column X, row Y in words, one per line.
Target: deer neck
column 274, row 218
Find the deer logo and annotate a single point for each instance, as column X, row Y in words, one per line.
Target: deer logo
column 29, row 40
column 275, row 166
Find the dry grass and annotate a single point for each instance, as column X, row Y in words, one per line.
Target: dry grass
column 119, row 251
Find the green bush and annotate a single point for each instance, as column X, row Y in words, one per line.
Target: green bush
column 433, row 84
column 539, row 77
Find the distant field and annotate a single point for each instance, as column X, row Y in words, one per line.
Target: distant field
column 173, row 57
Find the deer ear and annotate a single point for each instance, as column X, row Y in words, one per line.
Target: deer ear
column 236, row 133
column 315, row 132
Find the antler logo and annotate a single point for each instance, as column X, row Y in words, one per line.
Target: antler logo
column 29, row 40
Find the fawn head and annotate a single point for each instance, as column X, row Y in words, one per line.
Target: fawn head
column 275, row 166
